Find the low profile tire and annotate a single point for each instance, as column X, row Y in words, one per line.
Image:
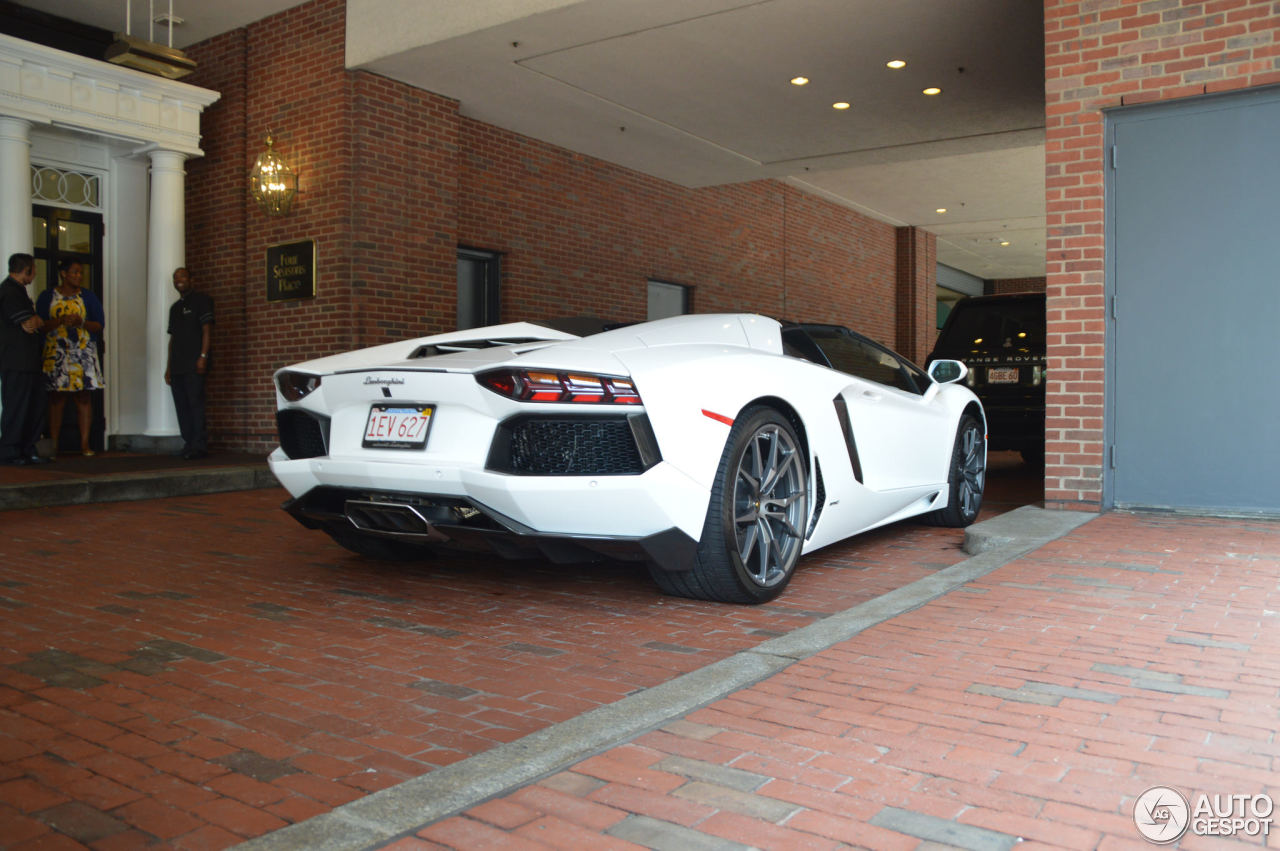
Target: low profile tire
column 968, row 477
column 756, row 517
column 377, row 547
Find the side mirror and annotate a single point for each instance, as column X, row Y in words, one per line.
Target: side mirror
column 947, row 371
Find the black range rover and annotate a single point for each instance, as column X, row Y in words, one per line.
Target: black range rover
column 1001, row 339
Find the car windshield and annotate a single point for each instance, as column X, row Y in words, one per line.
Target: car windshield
column 996, row 325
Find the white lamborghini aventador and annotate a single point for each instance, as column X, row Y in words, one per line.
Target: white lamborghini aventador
column 716, row 448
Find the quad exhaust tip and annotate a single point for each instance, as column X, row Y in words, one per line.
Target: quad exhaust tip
column 391, row 518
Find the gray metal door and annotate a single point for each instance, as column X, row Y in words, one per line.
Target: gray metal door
column 1194, row 237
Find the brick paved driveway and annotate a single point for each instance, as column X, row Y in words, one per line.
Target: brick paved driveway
column 200, row 670
column 1028, row 709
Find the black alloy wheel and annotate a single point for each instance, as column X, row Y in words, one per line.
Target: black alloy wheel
column 967, row 479
column 756, row 517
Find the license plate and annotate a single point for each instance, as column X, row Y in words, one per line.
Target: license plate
column 1002, row 375
column 398, row 426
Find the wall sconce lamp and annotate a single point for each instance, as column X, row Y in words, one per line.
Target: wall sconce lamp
column 271, row 181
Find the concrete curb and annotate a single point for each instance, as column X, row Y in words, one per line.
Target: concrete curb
column 1028, row 525
column 413, row 804
column 118, row 487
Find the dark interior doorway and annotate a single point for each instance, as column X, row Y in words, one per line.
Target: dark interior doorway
column 58, row 234
column 479, row 276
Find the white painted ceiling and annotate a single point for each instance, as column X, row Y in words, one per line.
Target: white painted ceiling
column 698, row 92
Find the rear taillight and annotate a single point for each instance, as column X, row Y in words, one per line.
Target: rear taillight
column 532, row 385
column 294, row 385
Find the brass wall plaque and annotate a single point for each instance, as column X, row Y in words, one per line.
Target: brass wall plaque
column 291, row 270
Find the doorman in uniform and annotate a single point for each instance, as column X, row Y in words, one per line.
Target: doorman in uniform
column 190, row 336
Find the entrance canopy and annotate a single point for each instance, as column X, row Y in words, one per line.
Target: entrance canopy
column 47, row 86
column 128, row 133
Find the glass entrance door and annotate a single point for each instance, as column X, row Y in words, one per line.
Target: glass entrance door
column 59, row 234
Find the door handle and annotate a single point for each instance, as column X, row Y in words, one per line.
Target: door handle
column 871, row 395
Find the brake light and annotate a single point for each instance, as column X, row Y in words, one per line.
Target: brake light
column 528, row 385
column 541, row 386
column 294, row 385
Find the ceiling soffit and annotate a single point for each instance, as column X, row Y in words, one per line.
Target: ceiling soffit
column 698, row 92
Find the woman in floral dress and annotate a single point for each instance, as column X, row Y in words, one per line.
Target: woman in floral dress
column 73, row 320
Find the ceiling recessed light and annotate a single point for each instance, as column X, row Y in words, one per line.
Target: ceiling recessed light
column 895, row 64
column 933, row 90
column 799, row 81
column 941, row 210
column 840, row 105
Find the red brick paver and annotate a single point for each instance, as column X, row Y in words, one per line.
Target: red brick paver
column 200, row 670
column 1036, row 703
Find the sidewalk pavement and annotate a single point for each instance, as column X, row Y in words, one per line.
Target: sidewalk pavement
column 1029, row 693
column 1025, row 697
column 115, row 476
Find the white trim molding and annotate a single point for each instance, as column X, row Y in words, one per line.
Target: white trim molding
column 47, row 86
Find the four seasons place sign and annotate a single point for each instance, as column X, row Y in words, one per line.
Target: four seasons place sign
column 291, row 270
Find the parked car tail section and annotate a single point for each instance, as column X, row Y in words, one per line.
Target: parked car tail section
column 700, row 445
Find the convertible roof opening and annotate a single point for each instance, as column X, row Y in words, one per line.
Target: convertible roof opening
column 432, row 349
column 580, row 326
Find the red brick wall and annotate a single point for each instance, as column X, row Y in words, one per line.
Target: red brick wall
column 840, row 268
column 917, row 307
column 291, row 82
column 582, row 236
column 216, row 221
column 392, row 179
column 376, row 194
column 1015, row 285
column 1101, row 54
column 403, row 212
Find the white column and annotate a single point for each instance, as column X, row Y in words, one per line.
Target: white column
column 166, row 251
column 15, row 188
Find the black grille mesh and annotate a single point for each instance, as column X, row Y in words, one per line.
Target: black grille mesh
column 575, row 446
column 301, row 435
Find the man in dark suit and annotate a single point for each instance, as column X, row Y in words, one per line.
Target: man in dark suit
column 22, row 388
